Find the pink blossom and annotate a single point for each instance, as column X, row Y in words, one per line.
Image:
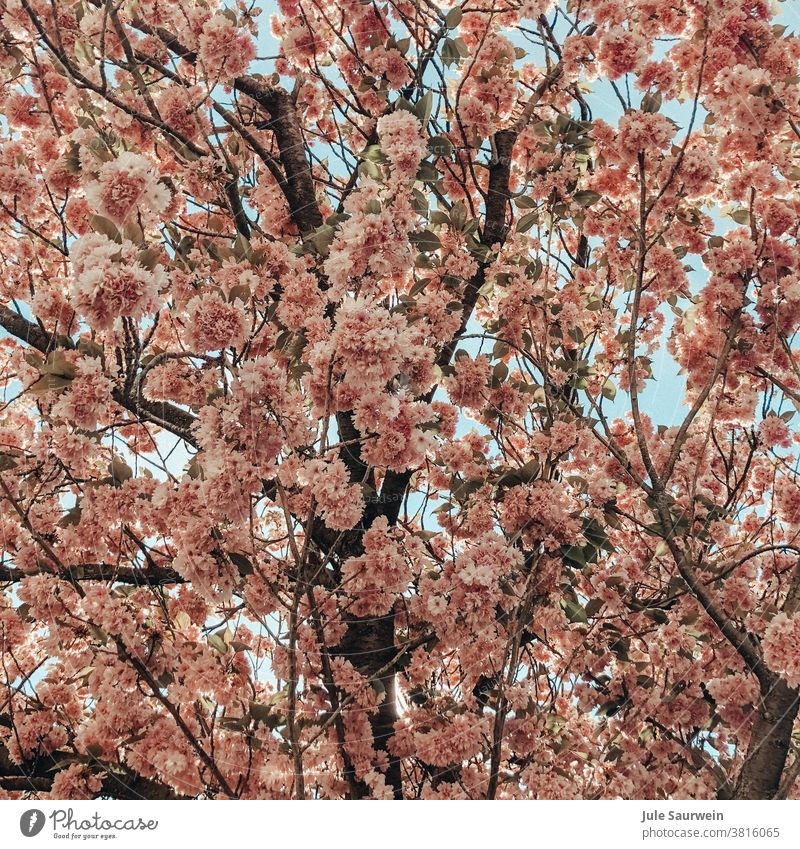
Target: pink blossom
column 126, row 187
column 75, row 782
column 214, row 324
column 781, row 646
column 340, row 503
column 621, row 51
column 225, row 50
column 774, row 432
column 88, row 397
column 402, row 140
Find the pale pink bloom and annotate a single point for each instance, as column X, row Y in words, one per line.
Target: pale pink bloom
column 532, row 9
column 179, row 109
column 87, row 400
column 104, row 293
column 781, row 646
column 340, row 503
column 108, row 282
column 379, row 576
column 18, row 187
column 225, row 50
column 126, row 187
column 76, row 781
column 563, row 436
column 214, row 324
column 402, row 141
column 301, row 44
column 774, row 432
column 436, row 605
column 468, row 386
column 787, row 500
column 375, row 244
column 643, row 131
column 369, row 341
column 621, row 51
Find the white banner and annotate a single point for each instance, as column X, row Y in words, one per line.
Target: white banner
column 330, row 825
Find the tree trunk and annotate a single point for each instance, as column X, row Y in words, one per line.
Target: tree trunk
column 369, row 645
column 760, row 776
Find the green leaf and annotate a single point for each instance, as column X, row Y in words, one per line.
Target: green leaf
column 453, row 17
column 402, row 103
column 656, row 615
column 458, row 215
column 461, row 47
column 7, row 462
column 574, row 555
column 149, row 257
column 241, row 562
column 427, row 172
column 238, row 723
column 105, row 226
column 71, row 517
column 133, row 232
column 49, row 383
column 440, row 146
column 500, row 372
column 574, row 611
column 322, row 238
column 261, row 713
column 585, row 198
column 529, row 472
column 524, row 202
column 609, row 390
column 242, row 292
column 369, row 169
column 216, row 642
column 594, row 606
column 425, row 240
column 651, row 102
column 58, row 364
column 527, row 221
column 241, row 247
column 450, row 52
column 373, row 153
column 119, row 470
column 71, row 160
column 424, row 107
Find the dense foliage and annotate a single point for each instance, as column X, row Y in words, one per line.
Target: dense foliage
column 331, row 462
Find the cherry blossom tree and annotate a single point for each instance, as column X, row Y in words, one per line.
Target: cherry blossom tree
column 331, row 460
